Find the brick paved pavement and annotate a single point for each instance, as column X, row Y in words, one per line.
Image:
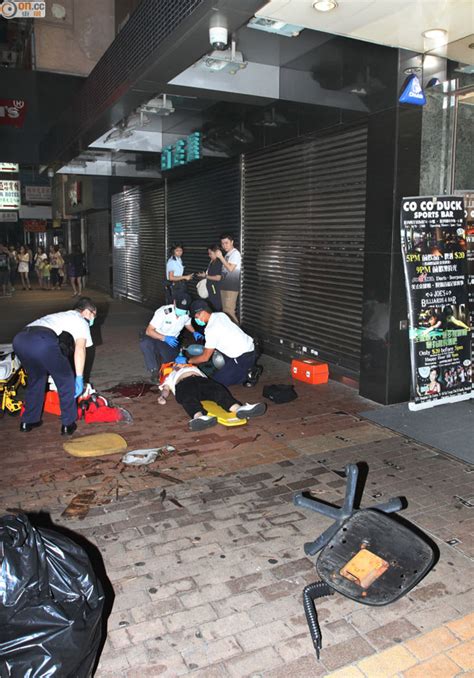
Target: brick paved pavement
column 208, row 575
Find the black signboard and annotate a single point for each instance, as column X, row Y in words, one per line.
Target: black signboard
column 434, row 248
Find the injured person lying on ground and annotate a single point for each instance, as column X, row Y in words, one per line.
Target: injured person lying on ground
column 191, row 387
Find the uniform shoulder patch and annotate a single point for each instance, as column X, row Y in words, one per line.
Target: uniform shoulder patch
column 168, row 309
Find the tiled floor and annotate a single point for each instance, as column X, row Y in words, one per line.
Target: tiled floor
column 207, row 561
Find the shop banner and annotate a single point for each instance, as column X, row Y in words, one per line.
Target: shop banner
column 8, row 216
column 434, row 251
column 12, row 112
column 35, row 225
column 38, row 194
column 10, row 195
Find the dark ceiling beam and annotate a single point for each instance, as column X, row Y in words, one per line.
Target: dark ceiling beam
column 144, row 56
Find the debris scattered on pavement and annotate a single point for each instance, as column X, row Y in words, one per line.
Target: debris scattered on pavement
column 79, row 505
column 141, row 457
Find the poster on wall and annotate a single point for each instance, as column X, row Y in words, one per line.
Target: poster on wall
column 469, row 215
column 434, row 248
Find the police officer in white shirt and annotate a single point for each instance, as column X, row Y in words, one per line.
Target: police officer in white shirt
column 39, row 348
column 225, row 336
column 160, row 342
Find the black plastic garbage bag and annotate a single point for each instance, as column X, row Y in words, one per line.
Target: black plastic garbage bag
column 50, row 604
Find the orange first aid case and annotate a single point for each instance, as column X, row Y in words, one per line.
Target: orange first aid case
column 310, row 371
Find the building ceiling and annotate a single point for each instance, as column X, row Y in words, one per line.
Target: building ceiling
column 395, row 23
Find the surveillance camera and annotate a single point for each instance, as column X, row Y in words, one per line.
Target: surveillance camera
column 218, row 37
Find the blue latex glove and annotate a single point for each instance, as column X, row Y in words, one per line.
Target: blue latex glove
column 171, row 341
column 197, row 336
column 78, row 386
column 181, row 360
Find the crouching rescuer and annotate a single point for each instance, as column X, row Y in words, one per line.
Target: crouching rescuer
column 43, row 348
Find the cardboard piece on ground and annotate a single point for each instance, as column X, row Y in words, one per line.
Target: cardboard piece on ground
column 223, row 417
column 79, row 505
column 96, row 445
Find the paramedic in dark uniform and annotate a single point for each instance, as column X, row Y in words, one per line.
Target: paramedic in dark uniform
column 222, row 334
column 38, row 347
column 160, row 343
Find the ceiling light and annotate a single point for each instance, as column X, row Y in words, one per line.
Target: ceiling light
column 434, row 33
column 324, row 5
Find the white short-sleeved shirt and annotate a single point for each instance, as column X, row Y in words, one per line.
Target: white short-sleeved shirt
column 165, row 321
column 227, row 337
column 66, row 321
column 175, row 376
column 175, row 266
column 231, row 281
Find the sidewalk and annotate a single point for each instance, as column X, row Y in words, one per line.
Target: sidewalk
column 207, row 561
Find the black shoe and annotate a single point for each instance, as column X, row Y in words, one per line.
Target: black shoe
column 26, row 428
column 68, row 430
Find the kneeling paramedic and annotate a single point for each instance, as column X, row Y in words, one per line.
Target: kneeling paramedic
column 190, row 387
column 40, row 347
column 160, row 342
column 222, row 334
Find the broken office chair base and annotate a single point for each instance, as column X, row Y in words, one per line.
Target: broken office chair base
column 366, row 556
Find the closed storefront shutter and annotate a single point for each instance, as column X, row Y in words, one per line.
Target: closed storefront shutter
column 200, row 208
column 99, row 250
column 303, row 246
column 138, row 231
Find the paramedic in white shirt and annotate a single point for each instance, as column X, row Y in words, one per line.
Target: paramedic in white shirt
column 40, row 353
column 222, row 334
column 160, row 343
column 190, row 387
column 230, row 285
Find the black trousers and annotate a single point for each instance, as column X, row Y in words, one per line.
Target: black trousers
column 190, row 391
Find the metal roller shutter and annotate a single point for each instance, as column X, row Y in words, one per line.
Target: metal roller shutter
column 200, row 208
column 99, row 250
column 303, row 246
column 138, row 227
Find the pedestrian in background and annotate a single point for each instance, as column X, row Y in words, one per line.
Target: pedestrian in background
column 5, row 270
column 24, row 267
column 57, row 262
column 13, row 266
column 75, row 269
column 213, row 277
column 39, row 260
column 175, row 278
column 231, row 265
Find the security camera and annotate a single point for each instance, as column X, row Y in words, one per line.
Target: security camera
column 218, row 37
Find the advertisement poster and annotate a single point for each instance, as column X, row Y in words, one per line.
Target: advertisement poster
column 469, row 215
column 434, row 248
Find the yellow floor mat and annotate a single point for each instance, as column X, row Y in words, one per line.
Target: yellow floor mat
column 223, row 417
column 96, row 445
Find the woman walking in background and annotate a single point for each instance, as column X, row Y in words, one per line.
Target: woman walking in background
column 213, row 277
column 76, row 269
column 39, row 260
column 24, row 267
column 57, row 262
column 175, row 278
